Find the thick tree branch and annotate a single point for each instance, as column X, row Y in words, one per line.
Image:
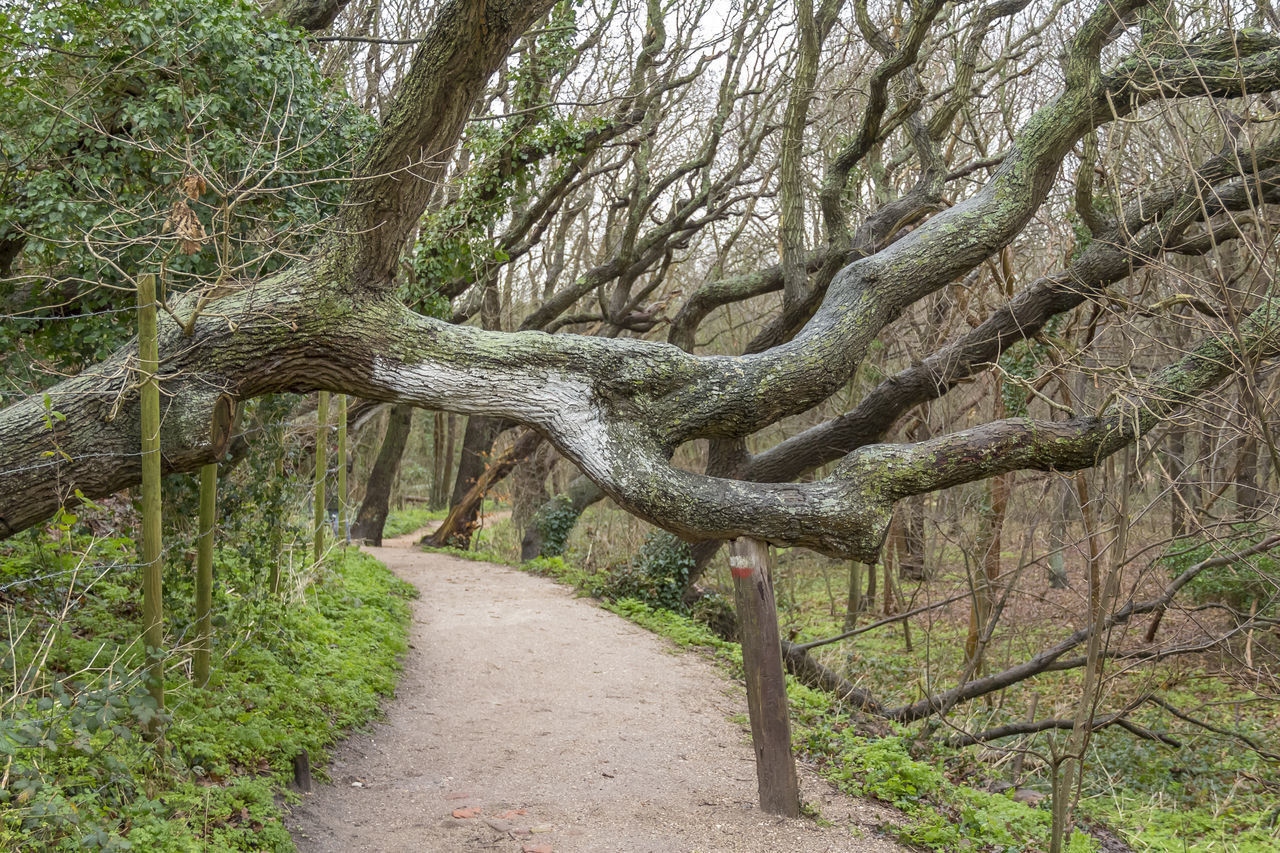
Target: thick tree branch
column 1025, row 728
column 617, row 408
column 1159, row 218
column 467, row 42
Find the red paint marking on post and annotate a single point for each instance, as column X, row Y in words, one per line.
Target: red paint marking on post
column 741, row 572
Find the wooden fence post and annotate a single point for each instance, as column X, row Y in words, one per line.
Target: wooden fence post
column 343, row 533
column 322, row 458
column 152, row 566
column 204, row 572
column 766, row 684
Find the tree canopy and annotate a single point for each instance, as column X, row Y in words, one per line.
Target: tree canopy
column 571, row 158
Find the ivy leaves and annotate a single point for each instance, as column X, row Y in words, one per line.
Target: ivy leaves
column 106, row 109
column 507, row 158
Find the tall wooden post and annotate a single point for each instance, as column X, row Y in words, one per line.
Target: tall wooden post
column 322, row 456
column 437, row 462
column 766, row 684
column 343, row 532
column 277, row 527
column 204, row 572
column 152, row 566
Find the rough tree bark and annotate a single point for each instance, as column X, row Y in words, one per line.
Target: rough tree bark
column 372, row 514
column 617, row 408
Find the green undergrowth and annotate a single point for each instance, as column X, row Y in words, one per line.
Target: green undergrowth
column 937, row 813
column 409, row 519
column 1210, row 794
column 941, row 815
column 289, row 674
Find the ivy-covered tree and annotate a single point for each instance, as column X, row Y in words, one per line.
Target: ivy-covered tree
column 197, row 141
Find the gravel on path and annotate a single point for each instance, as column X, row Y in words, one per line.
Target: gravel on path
column 531, row 720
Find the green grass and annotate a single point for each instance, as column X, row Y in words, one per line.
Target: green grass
column 287, row 676
column 937, row 814
column 410, row 519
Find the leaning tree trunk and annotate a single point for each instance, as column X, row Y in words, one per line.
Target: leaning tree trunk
column 456, row 530
column 373, row 509
column 477, row 442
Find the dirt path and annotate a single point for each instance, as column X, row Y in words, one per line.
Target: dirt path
column 535, row 710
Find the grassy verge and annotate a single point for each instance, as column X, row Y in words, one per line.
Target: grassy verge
column 289, row 674
column 410, row 519
column 937, row 814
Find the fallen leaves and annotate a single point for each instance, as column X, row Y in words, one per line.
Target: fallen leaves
column 503, row 823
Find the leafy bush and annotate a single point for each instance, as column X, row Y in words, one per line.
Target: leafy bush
column 656, row 575
column 554, row 521
column 678, row 628
column 216, row 121
column 882, row 768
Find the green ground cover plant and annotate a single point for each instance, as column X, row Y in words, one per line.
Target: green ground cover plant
column 1198, row 797
column 290, row 674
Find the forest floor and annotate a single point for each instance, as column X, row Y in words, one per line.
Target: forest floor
column 531, row 720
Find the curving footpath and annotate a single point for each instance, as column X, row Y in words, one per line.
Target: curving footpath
column 530, row 720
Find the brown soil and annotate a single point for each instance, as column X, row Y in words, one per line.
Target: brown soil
column 549, row 724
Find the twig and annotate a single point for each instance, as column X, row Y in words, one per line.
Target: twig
column 1245, row 739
